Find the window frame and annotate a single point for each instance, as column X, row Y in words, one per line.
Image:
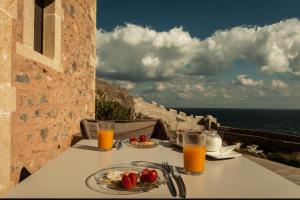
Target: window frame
column 26, row 48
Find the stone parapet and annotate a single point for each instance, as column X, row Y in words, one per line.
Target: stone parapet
column 172, row 118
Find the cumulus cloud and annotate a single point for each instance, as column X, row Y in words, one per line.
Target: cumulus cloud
column 159, row 86
column 244, row 80
column 137, row 53
column 199, row 87
column 125, row 84
column 278, row 84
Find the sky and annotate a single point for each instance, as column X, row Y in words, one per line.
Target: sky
column 202, row 53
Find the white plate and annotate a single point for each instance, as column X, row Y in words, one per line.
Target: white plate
column 98, row 183
column 227, row 151
column 219, row 155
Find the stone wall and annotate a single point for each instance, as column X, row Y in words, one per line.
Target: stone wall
column 7, row 91
column 52, row 95
column 173, row 118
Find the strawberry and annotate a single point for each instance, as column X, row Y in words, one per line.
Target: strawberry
column 152, row 176
column 126, row 182
column 132, row 139
column 143, row 138
column 133, row 178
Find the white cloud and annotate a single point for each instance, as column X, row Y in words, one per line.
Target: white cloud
column 200, row 87
column 261, row 93
column 246, row 81
column 125, row 84
column 159, row 86
column 278, row 84
column 137, row 53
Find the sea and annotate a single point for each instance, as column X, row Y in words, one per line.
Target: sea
column 283, row 121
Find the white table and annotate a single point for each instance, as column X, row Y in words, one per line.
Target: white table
column 239, row 177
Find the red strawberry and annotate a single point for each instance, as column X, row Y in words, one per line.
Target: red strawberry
column 152, row 176
column 132, row 139
column 144, row 175
column 126, row 182
column 133, row 178
column 143, row 138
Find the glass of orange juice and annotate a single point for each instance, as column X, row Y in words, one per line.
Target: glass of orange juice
column 194, row 152
column 105, row 133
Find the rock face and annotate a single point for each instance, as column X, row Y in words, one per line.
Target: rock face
column 116, row 93
column 44, row 97
column 175, row 120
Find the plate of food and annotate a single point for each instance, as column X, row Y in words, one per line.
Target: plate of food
column 126, row 179
column 142, row 142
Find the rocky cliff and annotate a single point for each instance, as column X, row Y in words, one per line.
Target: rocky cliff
column 173, row 119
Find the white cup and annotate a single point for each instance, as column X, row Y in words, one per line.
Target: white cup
column 213, row 141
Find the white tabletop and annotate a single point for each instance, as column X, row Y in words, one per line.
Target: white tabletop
column 239, row 177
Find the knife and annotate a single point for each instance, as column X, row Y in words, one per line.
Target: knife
column 170, row 184
column 180, row 182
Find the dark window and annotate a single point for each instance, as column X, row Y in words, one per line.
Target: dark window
column 44, row 18
column 38, row 25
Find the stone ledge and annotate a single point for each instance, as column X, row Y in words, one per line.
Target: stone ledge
column 29, row 53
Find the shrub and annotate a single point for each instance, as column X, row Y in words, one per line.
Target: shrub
column 108, row 109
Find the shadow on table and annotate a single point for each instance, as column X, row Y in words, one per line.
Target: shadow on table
column 168, row 145
column 86, row 147
column 155, row 165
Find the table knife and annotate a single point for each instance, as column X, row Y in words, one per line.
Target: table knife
column 180, row 182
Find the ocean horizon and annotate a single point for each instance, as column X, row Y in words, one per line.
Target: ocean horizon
column 282, row 120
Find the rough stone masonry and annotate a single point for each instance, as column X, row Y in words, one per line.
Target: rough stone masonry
column 43, row 96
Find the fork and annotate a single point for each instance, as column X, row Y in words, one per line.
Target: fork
column 170, row 183
column 120, row 143
column 115, row 143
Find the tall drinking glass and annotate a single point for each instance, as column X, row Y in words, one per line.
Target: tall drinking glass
column 105, row 133
column 194, row 152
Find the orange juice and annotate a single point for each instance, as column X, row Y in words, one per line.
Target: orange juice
column 194, row 158
column 105, row 139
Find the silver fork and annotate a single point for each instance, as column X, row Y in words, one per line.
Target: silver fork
column 115, row 143
column 120, row 143
column 170, row 183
